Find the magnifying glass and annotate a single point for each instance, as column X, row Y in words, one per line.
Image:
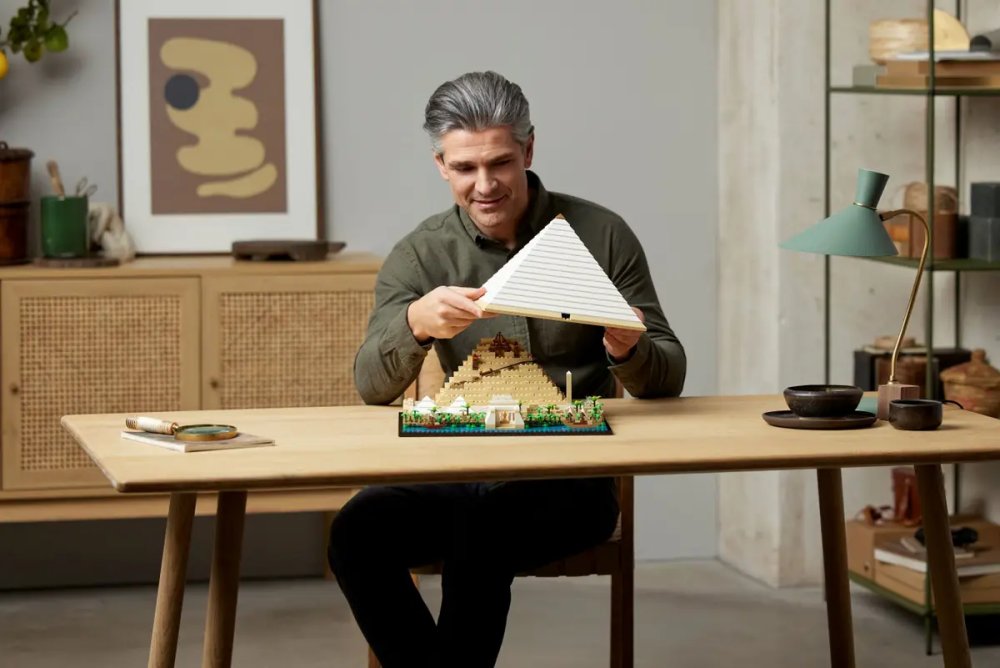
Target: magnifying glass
column 188, row 432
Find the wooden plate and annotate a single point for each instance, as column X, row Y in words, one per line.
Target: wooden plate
column 77, row 262
column 295, row 250
column 790, row 420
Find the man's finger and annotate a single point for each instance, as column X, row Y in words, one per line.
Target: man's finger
column 621, row 335
column 468, row 293
column 613, row 346
column 458, row 301
column 451, row 314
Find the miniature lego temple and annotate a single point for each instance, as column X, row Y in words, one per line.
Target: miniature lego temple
column 501, row 390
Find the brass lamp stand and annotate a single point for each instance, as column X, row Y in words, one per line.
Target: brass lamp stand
column 893, row 389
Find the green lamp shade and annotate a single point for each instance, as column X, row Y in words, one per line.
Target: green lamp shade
column 856, row 230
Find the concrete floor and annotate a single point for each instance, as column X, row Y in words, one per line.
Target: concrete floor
column 688, row 614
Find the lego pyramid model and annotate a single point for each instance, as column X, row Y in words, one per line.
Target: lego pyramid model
column 555, row 277
column 500, row 368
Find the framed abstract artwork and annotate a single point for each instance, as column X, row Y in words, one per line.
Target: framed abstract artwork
column 218, row 123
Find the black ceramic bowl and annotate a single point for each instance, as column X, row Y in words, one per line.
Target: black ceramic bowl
column 822, row 400
column 915, row 414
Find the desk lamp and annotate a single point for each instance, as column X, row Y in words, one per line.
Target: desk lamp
column 857, row 231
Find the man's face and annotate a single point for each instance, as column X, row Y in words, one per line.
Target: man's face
column 486, row 172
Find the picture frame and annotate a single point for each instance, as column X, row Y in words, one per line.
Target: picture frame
column 219, row 121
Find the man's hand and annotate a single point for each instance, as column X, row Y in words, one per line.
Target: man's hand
column 444, row 312
column 620, row 342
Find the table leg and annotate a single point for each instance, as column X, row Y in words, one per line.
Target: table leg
column 838, row 593
column 173, row 571
column 224, row 583
column 941, row 563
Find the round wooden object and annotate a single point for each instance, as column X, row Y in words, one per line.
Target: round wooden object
column 286, row 249
column 77, row 262
column 888, row 342
column 915, row 198
column 15, row 173
column 888, row 38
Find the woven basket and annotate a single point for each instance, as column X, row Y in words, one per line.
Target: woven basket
column 974, row 384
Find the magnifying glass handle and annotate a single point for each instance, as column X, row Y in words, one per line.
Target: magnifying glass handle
column 151, row 424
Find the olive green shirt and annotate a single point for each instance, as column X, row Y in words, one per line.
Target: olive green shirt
column 448, row 249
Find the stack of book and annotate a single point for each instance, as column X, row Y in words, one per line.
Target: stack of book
column 909, row 553
column 901, row 567
column 953, row 69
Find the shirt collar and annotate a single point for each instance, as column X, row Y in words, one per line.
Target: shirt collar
column 536, row 216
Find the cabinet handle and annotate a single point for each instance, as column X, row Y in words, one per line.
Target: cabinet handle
column 14, row 389
column 214, row 383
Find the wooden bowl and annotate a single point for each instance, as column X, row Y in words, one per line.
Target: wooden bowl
column 823, row 400
column 889, row 37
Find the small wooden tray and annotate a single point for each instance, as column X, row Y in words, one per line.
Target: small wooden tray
column 77, row 262
column 285, row 250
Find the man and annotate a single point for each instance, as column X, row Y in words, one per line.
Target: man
column 483, row 534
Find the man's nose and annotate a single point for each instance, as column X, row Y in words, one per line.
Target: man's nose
column 485, row 182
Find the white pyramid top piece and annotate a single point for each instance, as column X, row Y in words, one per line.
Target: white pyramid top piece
column 555, row 277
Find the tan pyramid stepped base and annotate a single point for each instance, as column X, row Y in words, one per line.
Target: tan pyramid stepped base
column 502, row 366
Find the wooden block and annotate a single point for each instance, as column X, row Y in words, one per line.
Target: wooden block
column 892, row 391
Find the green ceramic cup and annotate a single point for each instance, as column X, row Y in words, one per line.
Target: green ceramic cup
column 64, row 227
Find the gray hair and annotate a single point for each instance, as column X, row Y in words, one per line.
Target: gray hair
column 477, row 101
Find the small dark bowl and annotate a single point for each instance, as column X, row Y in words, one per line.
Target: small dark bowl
column 823, row 400
column 915, row 414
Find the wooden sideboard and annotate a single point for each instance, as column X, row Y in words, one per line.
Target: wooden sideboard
column 162, row 334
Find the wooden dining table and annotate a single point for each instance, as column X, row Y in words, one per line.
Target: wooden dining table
column 354, row 446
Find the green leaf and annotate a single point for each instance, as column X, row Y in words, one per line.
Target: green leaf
column 56, row 39
column 33, row 51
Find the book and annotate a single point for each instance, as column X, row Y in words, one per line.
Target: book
column 943, row 69
column 914, row 547
column 922, row 81
column 968, row 561
column 241, row 440
column 951, row 54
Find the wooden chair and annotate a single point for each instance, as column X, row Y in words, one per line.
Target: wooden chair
column 614, row 557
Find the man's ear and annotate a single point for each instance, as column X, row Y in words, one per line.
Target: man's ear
column 529, row 151
column 439, row 161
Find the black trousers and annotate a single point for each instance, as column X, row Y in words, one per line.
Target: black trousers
column 483, row 533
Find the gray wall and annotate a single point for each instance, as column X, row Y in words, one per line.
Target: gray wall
column 623, row 100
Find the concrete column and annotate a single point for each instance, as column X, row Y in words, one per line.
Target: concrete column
column 770, row 301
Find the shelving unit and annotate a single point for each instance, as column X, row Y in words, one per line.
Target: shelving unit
column 956, row 265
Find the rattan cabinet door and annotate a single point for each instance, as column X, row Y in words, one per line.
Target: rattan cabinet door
column 90, row 346
column 283, row 341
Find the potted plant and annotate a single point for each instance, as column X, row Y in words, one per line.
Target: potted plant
column 31, row 33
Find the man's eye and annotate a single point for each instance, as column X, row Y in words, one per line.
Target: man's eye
column 463, row 170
